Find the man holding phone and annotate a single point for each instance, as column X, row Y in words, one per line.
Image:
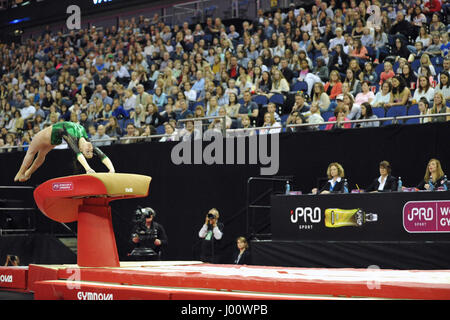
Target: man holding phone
column 211, row 234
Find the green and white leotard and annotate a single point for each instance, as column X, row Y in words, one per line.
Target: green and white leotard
column 71, row 132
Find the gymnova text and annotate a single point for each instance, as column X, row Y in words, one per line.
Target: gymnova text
column 94, row 296
column 230, row 150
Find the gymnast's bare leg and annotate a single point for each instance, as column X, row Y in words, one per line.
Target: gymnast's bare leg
column 40, row 145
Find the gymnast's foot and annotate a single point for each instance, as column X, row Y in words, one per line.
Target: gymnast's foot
column 25, row 176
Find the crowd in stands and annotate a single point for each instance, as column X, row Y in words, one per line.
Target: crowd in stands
column 334, row 62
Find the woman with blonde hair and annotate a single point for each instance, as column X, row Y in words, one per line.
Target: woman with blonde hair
column 335, row 184
column 425, row 62
column 279, row 83
column 434, row 176
column 271, row 124
column 439, row 106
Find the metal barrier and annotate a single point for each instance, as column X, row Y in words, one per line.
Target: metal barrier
column 31, row 219
column 229, row 132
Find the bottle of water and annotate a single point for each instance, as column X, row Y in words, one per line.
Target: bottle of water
column 345, row 186
column 430, row 183
column 288, row 187
column 399, row 184
column 444, row 182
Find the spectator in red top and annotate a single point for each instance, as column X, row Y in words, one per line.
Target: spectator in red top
column 387, row 73
column 234, row 68
column 432, row 6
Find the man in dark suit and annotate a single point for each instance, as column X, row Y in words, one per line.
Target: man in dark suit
column 286, row 71
column 384, row 183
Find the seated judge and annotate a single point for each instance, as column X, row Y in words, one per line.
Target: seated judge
column 385, row 182
column 335, row 184
column 434, row 176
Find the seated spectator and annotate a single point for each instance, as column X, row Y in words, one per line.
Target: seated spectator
column 423, row 105
column 160, row 98
column 321, row 69
column 439, row 106
column 300, row 104
column 189, row 133
column 423, row 90
column 340, row 59
column 388, row 72
column 320, row 96
column 112, row 128
column 367, row 114
column 279, row 84
column 352, row 110
column 383, row 96
column 170, row 132
column 184, row 112
column 408, row 75
column 313, row 116
column 271, row 125
column 369, row 74
column 233, row 106
column 152, row 116
column 248, row 107
column 334, row 86
column 353, row 81
column 101, row 138
column 400, row 93
column 339, row 117
column 366, row 95
column 399, row 50
column 444, row 85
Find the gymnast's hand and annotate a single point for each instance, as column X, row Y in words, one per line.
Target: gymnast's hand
column 90, row 170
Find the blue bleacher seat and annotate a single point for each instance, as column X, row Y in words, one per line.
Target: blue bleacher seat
column 277, row 98
column 379, row 112
column 379, row 69
column 284, row 118
column 299, row 86
column 327, row 115
column 260, row 100
column 413, row 110
column 437, row 61
column 160, row 130
column 395, row 111
column 415, row 65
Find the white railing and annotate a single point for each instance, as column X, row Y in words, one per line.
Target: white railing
column 225, row 131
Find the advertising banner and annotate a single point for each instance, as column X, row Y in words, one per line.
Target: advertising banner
column 396, row 216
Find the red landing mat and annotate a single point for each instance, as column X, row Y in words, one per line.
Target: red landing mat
column 193, row 280
column 14, row 277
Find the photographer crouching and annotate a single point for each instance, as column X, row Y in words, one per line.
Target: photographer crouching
column 211, row 233
column 149, row 236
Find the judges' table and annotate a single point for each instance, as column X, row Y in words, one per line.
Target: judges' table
column 395, row 216
column 401, row 230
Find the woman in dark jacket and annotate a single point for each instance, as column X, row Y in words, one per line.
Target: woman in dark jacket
column 335, row 173
column 385, row 182
column 434, row 176
column 242, row 256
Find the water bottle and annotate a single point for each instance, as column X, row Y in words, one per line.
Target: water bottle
column 430, row 183
column 288, row 187
column 399, row 184
column 345, row 186
column 444, row 182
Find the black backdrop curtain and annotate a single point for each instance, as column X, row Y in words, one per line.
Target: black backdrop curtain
column 182, row 194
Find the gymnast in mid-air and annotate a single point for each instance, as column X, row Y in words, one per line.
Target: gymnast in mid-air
column 45, row 140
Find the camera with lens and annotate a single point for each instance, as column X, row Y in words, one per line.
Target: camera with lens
column 211, row 216
column 143, row 213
